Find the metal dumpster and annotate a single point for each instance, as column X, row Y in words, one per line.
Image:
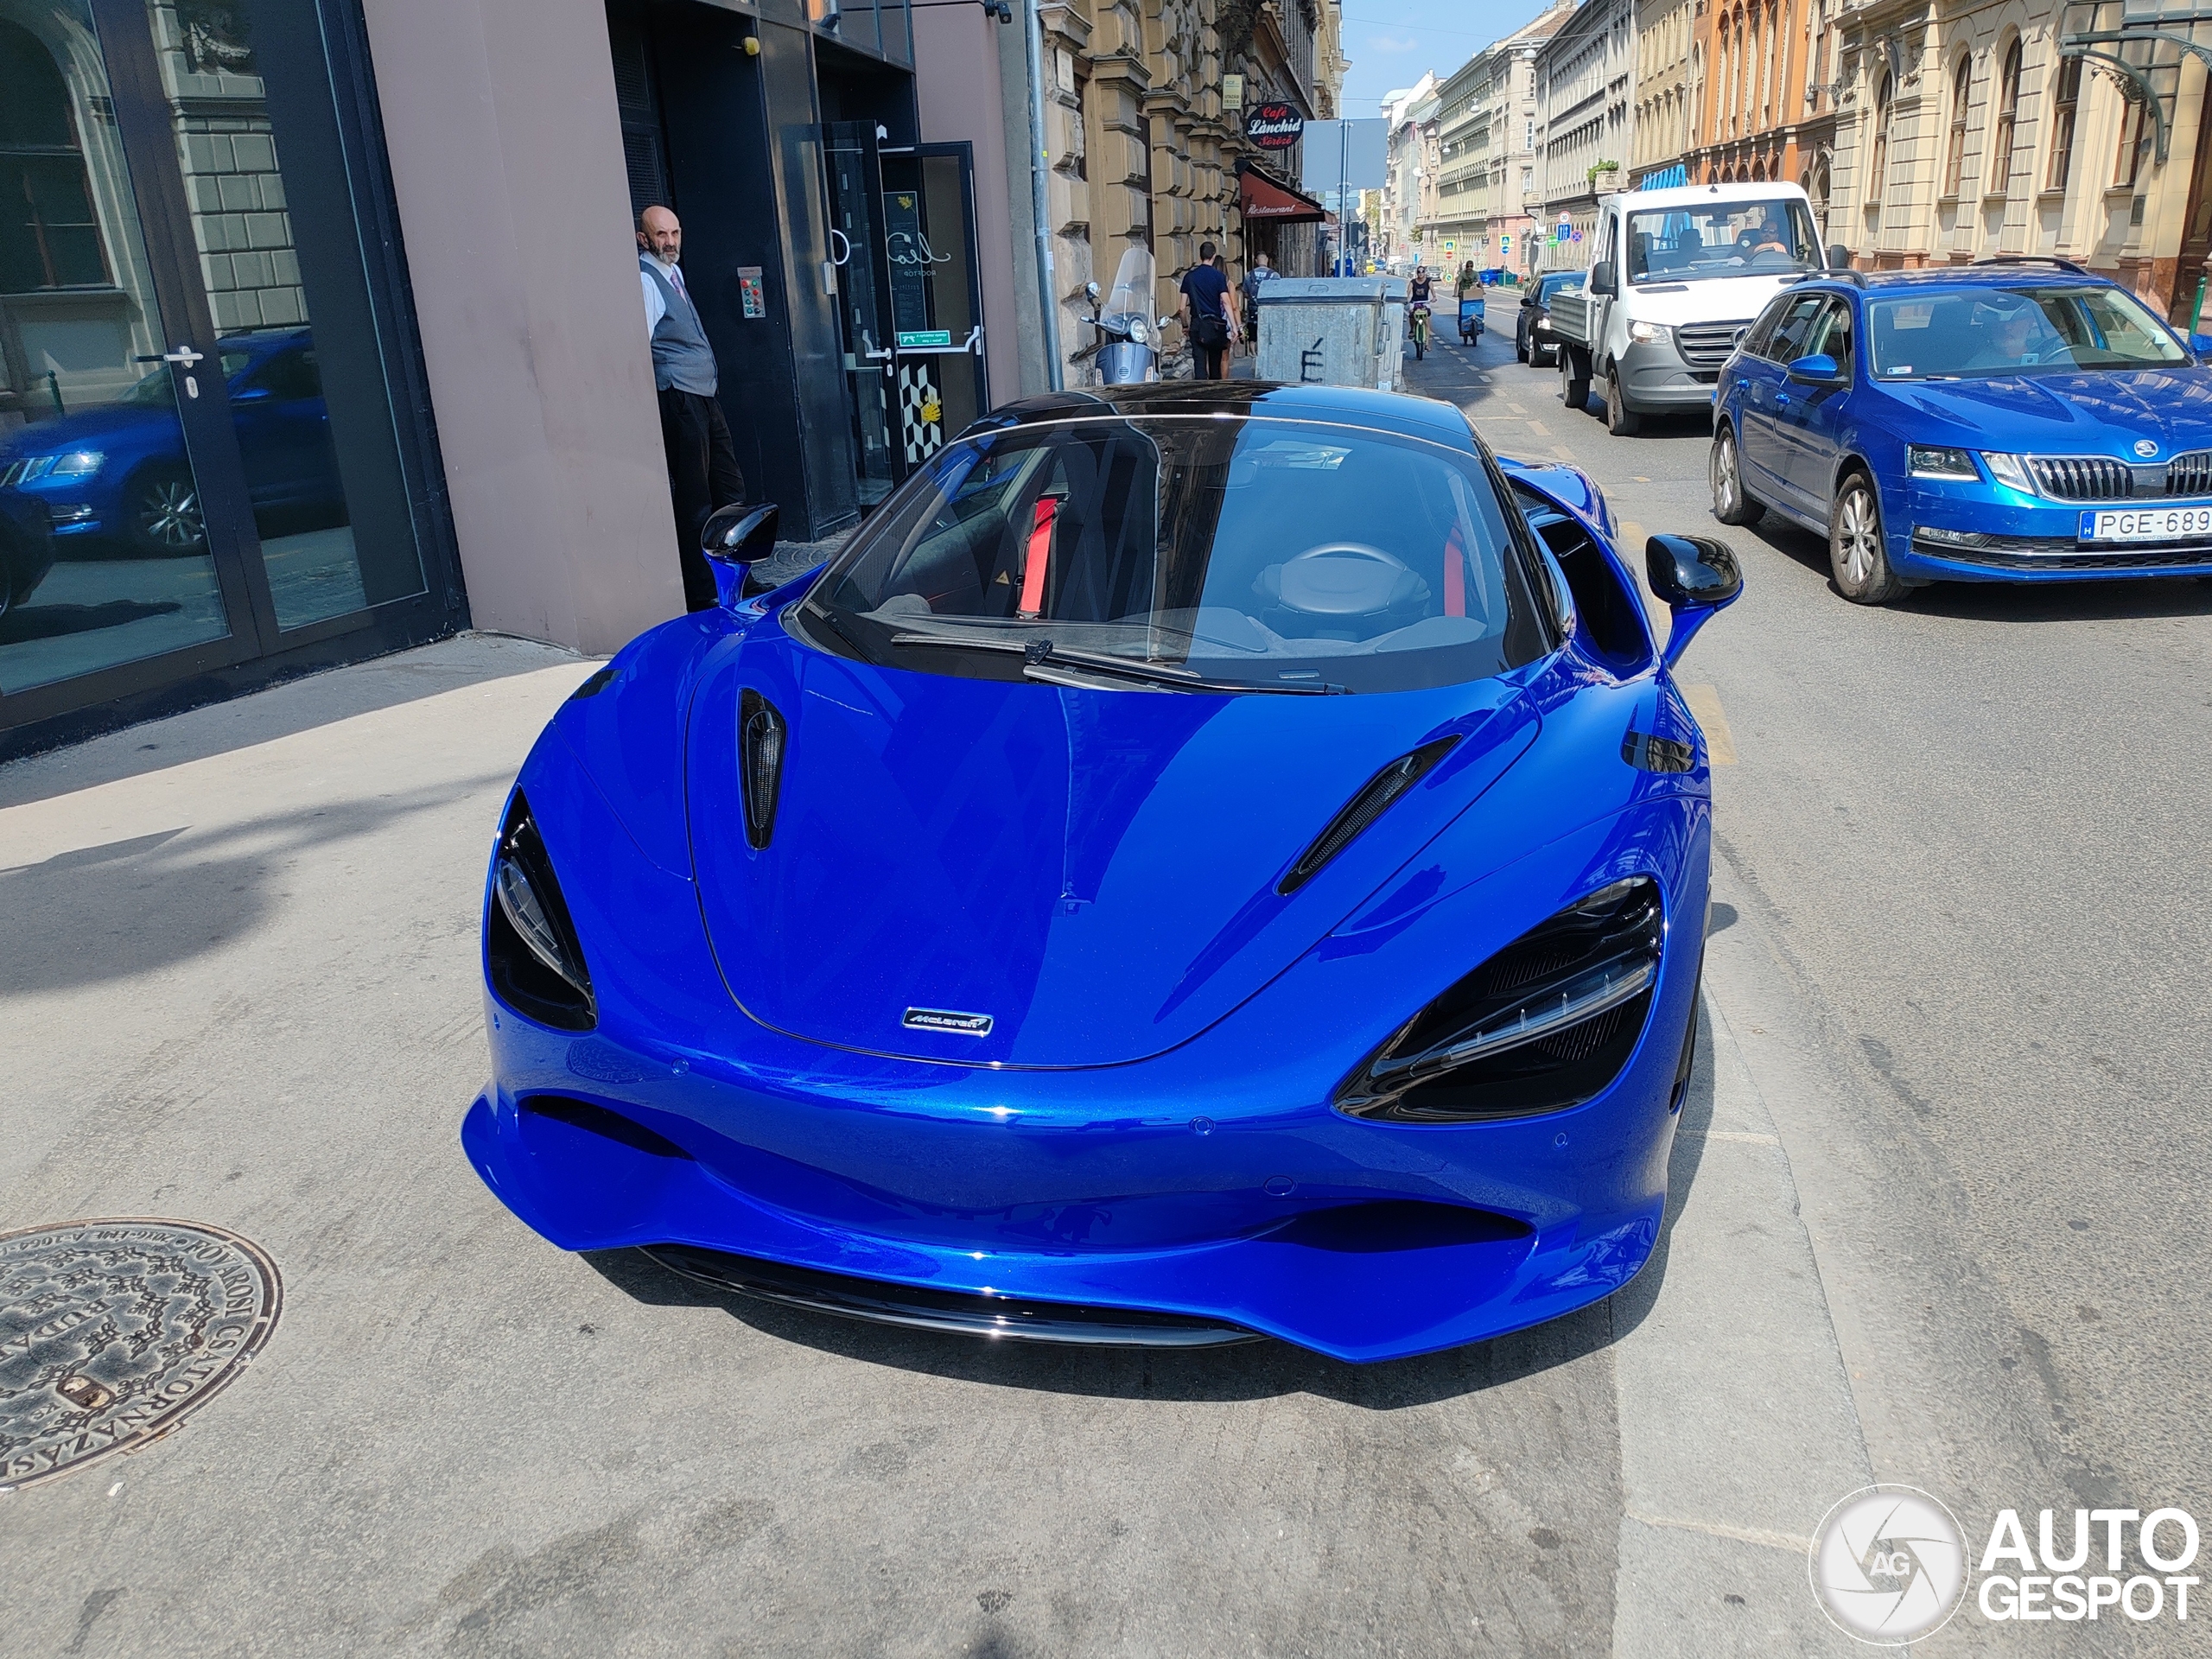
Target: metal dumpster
column 1332, row 331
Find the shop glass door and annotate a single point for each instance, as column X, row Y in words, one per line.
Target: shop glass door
column 929, row 224
column 110, row 393
column 168, row 407
column 863, row 316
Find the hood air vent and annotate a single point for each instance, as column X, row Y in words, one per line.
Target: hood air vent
column 760, row 737
column 1373, row 800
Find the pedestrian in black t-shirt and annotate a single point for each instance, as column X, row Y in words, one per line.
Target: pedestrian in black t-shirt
column 1206, row 315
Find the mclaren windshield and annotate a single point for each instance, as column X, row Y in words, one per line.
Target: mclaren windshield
column 2006, row 331
column 1179, row 553
column 1733, row 239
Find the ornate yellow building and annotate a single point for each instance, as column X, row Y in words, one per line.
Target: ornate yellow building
column 1142, row 152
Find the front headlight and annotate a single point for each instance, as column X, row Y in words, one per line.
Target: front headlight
column 1544, row 1024
column 1138, row 333
column 2010, row 471
column 1926, row 462
column 1647, row 334
column 77, row 463
column 530, row 947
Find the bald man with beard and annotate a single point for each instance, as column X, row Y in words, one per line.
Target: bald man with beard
column 702, row 470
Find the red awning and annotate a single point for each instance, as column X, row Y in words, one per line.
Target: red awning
column 1263, row 196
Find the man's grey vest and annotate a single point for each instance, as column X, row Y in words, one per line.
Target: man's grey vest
column 682, row 358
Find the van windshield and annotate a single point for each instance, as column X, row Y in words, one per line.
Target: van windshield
column 1728, row 239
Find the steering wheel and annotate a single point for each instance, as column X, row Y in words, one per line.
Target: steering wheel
column 1341, row 579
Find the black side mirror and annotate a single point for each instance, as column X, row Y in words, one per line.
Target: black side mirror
column 734, row 540
column 1695, row 577
column 1839, row 256
column 1603, row 278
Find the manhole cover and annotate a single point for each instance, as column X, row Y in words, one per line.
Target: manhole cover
column 111, row 1331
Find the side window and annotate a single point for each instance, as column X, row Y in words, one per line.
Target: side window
column 1761, row 334
column 1796, row 328
column 289, row 375
column 1611, row 617
column 1833, row 334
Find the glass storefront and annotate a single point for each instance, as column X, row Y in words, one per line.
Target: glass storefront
column 198, row 461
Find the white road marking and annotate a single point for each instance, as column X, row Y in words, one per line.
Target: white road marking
column 1741, row 1534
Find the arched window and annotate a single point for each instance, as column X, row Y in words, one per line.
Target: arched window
column 1954, row 154
column 1749, row 74
column 1878, row 164
column 2008, row 113
column 48, row 237
column 2065, row 103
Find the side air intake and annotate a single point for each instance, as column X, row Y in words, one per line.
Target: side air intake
column 760, row 738
column 1374, row 799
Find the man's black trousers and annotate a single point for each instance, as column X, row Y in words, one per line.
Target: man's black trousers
column 703, row 475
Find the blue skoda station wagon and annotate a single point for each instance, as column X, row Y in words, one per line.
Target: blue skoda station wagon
column 2013, row 421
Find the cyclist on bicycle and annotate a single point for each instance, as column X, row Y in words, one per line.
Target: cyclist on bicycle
column 1417, row 309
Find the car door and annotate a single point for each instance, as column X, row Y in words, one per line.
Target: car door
column 283, row 429
column 1812, row 417
column 1768, row 396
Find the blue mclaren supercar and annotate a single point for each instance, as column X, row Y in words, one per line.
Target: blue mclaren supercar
column 1205, row 861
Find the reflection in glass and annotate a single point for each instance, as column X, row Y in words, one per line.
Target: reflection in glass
column 103, row 550
column 254, row 262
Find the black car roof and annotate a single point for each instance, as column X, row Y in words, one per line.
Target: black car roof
column 1422, row 417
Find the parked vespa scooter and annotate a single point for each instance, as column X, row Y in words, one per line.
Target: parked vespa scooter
column 1128, row 335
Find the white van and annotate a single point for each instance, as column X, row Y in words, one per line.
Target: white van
column 1675, row 275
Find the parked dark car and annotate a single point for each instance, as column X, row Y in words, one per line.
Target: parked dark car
column 26, row 550
column 115, row 477
column 1532, row 329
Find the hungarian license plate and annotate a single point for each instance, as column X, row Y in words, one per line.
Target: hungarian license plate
column 2146, row 524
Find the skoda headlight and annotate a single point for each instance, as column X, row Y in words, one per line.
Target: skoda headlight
column 1647, row 334
column 1925, row 461
column 77, row 463
column 2011, row 471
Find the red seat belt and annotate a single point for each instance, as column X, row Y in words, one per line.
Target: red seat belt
column 1455, row 575
column 1039, row 554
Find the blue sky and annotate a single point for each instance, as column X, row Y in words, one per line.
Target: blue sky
column 1391, row 41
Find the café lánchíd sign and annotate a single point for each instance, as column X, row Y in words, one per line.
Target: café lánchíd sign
column 1273, row 126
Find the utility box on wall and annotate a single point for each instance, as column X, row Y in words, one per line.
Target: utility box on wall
column 1332, row 331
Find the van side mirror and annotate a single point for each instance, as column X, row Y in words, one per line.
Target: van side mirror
column 734, row 540
column 1603, row 278
column 1694, row 576
column 1839, row 256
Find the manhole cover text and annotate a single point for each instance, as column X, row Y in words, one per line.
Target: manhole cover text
column 111, row 1331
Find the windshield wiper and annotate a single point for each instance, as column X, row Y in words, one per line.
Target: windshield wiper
column 1041, row 658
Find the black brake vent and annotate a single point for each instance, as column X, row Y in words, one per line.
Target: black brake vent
column 1373, row 798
